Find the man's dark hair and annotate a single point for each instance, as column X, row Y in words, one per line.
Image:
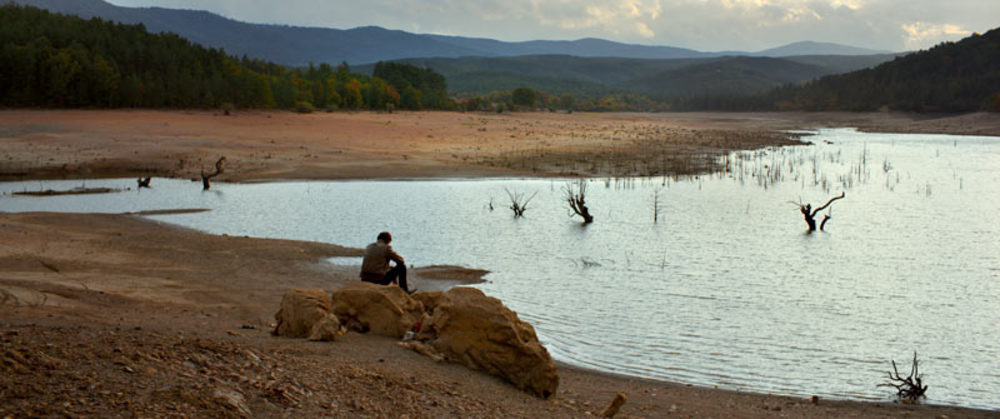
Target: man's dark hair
column 385, row 236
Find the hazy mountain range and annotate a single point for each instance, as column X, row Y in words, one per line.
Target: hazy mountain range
column 596, row 76
column 297, row 46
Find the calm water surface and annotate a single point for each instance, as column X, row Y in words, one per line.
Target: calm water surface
column 725, row 288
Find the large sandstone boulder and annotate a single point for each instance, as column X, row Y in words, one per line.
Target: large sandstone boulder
column 379, row 309
column 476, row 330
column 305, row 313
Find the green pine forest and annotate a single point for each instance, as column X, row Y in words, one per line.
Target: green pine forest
column 952, row 77
column 55, row 61
column 51, row 60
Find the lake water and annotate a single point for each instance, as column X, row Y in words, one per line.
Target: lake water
column 725, row 288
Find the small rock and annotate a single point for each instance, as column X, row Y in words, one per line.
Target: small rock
column 233, row 399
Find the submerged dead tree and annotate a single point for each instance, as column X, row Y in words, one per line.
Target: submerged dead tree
column 909, row 389
column 656, row 206
column 205, row 177
column 518, row 203
column 576, row 198
column 810, row 214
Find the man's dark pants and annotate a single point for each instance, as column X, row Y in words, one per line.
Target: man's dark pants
column 396, row 274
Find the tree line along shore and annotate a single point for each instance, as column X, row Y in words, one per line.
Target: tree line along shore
column 56, row 61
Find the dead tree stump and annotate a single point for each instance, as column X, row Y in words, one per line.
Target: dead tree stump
column 518, row 203
column 576, row 198
column 206, row 177
column 910, row 389
column 809, row 214
column 616, row 404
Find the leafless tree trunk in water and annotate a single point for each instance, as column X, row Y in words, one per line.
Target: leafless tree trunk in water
column 576, row 198
column 517, row 202
column 656, row 206
column 809, row 214
column 205, row 177
column 909, row 389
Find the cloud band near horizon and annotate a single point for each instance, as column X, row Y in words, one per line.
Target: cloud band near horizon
column 707, row 25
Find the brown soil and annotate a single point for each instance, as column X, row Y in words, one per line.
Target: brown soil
column 284, row 145
column 116, row 315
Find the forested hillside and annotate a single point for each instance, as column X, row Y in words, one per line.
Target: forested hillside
column 52, row 60
column 961, row 76
column 727, row 76
column 599, row 76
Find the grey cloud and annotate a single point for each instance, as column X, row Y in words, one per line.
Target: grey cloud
column 698, row 24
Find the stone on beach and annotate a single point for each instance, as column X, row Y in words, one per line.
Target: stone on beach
column 476, row 330
column 465, row 326
column 381, row 310
column 305, row 313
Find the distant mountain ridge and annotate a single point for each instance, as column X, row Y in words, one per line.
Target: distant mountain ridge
column 810, row 48
column 298, row 46
column 596, row 76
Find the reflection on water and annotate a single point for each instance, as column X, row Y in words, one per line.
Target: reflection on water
column 725, row 288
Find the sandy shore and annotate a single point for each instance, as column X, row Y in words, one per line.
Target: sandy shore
column 116, row 315
column 110, row 315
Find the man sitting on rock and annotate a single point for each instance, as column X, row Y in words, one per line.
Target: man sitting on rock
column 375, row 265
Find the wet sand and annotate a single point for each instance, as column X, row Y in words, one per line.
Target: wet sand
column 116, row 315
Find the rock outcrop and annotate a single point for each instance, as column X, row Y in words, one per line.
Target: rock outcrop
column 305, row 313
column 462, row 325
column 476, row 330
column 370, row 308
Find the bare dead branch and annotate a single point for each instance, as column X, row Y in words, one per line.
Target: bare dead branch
column 822, row 224
column 656, row 206
column 817, row 210
column 205, row 177
column 517, row 202
column 576, row 198
column 809, row 214
column 910, row 389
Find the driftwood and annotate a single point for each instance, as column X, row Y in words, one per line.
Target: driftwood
column 576, row 198
column 518, row 203
column 144, row 181
column 616, row 404
column 205, row 177
column 809, row 214
column 909, row 389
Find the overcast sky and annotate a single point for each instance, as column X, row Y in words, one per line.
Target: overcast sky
column 707, row 25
